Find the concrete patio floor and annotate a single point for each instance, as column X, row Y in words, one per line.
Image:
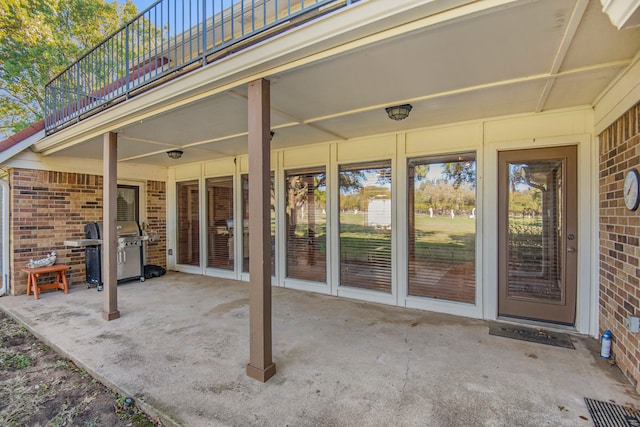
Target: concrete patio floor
column 181, row 348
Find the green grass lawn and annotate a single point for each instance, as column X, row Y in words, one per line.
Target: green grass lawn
column 440, row 237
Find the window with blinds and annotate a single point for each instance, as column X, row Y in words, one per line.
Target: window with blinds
column 306, row 241
column 188, row 205
column 365, row 226
column 442, row 227
column 127, row 203
column 245, row 217
column 220, row 222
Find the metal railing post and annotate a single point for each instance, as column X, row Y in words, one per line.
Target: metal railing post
column 204, row 31
column 77, row 68
column 126, row 59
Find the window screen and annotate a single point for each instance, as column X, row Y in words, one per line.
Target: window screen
column 365, row 226
column 306, row 225
column 442, row 227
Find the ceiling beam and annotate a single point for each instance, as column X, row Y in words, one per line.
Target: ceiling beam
column 563, row 48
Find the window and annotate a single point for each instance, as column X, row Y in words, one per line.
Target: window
column 188, row 222
column 245, row 218
column 220, row 225
column 365, row 226
column 306, row 225
column 127, row 203
column 442, row 227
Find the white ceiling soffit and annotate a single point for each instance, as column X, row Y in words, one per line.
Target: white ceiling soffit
column 623, row 13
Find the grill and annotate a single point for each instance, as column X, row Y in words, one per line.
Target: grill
column 129, row 252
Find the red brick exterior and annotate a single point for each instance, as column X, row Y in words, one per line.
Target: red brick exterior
column 157, row 222
column 49, row 207
column 619, row 241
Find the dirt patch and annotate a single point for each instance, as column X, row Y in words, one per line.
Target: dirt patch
column 38, row 387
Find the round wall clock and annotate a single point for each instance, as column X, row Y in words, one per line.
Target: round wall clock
column 631, row 197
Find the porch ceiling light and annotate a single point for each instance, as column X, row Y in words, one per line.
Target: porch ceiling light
column 174, row 154
column 399, row 112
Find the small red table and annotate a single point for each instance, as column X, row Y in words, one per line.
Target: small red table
column 34, row 273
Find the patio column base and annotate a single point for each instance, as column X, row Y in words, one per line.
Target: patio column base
column 111, row 316
column 259, row 374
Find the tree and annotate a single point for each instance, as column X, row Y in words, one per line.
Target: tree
column 460, row 172
column 38, row 40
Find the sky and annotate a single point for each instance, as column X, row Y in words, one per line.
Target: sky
column 141, row 4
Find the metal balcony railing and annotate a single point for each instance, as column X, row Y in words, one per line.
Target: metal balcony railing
column 169, row 37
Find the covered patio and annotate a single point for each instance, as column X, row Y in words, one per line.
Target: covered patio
column 181, row 344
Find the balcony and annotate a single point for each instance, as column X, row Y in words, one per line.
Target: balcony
column 170, row 38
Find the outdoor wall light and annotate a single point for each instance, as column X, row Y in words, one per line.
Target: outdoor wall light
column 174, row 154
column 399, row 112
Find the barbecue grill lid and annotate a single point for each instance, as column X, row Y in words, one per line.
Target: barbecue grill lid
column 128, row 228
column 93, row 230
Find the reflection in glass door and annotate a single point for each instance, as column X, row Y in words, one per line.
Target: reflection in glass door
column 537, row 234
column 188, row 229
column 245, row 220
column 365, row 226
column 306, row 236
column 442, row 227
column 220, row 222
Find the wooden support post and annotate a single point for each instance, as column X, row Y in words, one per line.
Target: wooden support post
column 110, row 235
column 261, row 366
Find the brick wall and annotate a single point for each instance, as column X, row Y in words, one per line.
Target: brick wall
column 619, row 241
column 157, row 222
column 48, row 208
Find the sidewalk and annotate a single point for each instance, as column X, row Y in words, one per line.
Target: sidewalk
column 181, row 347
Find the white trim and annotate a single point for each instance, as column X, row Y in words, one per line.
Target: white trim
column 238, row 238
column 304, row 285
column 190, row 269
column 480, row 255
column 281, row 221
column 366, row 295
column 622, row 13
column 443, row 306
column 5, row 267
column 334, row 232
column 20, row 146
column 621, row 95
column 399, row 217
column 202, row 217
column 172, row 220
column 220, row 272
column 27, row 159
column 594, row 325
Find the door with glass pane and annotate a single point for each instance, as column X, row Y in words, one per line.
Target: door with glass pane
column 188, row 227
column 306, row 236
column 442, row 227
column 537, row 234
column 245, row 220
column 220, row 227
column 365, row 226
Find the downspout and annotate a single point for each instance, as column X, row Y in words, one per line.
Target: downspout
column 4, row 234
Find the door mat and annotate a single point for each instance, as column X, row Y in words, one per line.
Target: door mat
column 539, row 336
column 606, row 414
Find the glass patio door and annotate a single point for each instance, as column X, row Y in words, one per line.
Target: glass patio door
column 188, row 206
column 537, row 234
